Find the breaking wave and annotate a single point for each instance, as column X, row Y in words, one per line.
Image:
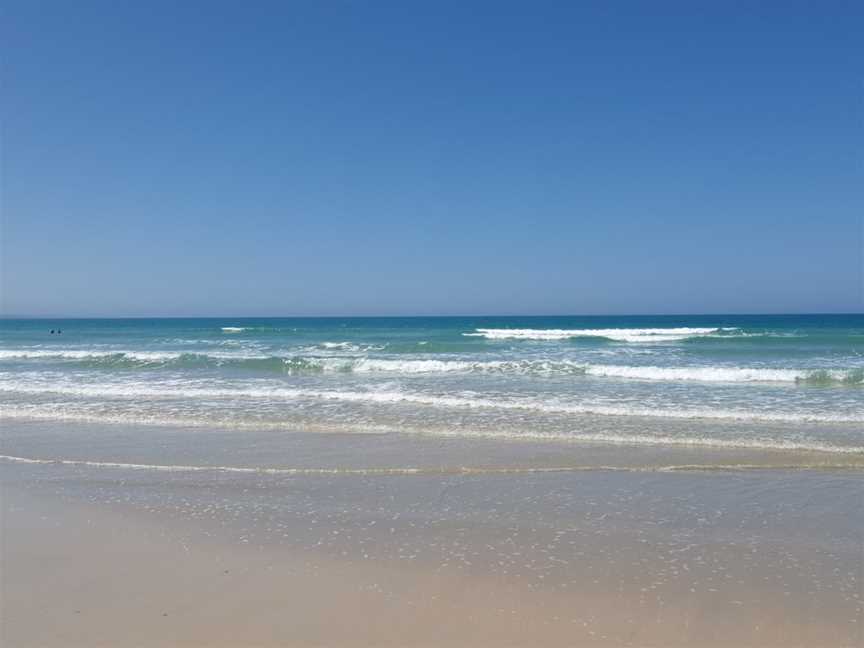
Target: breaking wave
column 542, row 405
column 312, row 364
column 615, row 334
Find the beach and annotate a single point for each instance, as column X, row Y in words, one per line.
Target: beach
column 473, row 550
column 433, row 483
column 387, row 324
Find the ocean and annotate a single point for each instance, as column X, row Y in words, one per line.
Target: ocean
column 757, row 382
column 639, row 480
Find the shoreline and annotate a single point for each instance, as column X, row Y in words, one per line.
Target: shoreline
column 290, row 450
column 132, row 558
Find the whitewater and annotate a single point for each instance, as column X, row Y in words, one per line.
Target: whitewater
column 794, row 382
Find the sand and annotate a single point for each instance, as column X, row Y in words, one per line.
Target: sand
column 89, row 560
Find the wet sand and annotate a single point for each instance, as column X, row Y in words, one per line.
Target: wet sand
column 112, row 557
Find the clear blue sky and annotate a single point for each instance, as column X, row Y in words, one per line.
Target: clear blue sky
column 293, row 158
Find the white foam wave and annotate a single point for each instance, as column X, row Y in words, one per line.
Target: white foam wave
column 84, row 354
column 550, row 406
column 365, row 364
column 142, row 356
column 719, row 374
column 346, row 346
column 340, row 364
column 646, row 372
column 617, row 334
column 373, row 365
column 349, row 347
column 233, row 329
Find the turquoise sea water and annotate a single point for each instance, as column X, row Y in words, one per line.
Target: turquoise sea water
column 761, row 382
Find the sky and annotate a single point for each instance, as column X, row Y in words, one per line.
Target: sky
column 401, row 158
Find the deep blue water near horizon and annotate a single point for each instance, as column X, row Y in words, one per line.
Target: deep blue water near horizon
column 827, row 320
column 752, row 381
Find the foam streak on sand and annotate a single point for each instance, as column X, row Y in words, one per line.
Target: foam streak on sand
column 403, row 471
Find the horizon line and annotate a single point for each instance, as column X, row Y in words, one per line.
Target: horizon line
column 442, row 316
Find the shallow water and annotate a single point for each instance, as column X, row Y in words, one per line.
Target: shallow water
column 759, row 556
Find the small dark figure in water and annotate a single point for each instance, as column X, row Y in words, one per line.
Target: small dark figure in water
column 59, row 331
column 52, row 331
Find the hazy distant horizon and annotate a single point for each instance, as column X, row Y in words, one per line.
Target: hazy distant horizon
column 430, row 315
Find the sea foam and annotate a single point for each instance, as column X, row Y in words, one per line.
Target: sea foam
column 356, row 360
column 616, row 334
column 543, row 405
